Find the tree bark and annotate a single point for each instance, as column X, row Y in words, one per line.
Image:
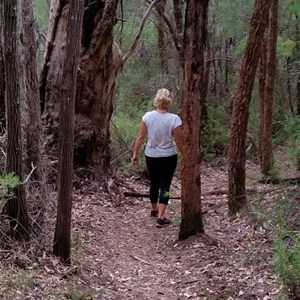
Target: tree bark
column 100, row 63
column 267, row 118
column 16, row 207
column 32, row 95
column 178, row 15
column 262, row 93
column 67, row 95
column 240, row 113
column 2, row 76
column 195, row 36
column 298, row 55
column 161, row 38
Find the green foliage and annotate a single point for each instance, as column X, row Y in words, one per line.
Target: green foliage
column 239, row 49
column 288, row 134
column 294, row 6
column 123, row 134
column 41, row 12
column 287, row 260
column 215, row 132
column 285, row 47
column 231, row 17
column 283, row 219
column 7, row 183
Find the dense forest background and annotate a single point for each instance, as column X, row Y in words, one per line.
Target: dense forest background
column 140, row 47
column 153, row 65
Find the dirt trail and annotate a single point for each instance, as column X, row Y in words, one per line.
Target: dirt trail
column 126, row 257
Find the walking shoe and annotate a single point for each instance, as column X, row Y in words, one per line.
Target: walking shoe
column 154, row 213
column 163, row 222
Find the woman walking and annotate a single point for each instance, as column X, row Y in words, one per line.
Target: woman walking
column 163, row 130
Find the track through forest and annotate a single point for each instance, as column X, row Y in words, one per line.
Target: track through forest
column 119, row 254
column 126, row 257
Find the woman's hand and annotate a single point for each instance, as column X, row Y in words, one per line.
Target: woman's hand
column 135, row 159
column 138, row 143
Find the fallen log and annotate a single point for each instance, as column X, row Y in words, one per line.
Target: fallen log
column 293, row 180
column 214, row 192
column 136, row 194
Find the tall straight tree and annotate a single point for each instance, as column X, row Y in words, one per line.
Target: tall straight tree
column 240, row 113
column 28, row 40
column 16, row 207
column 2, row 75
column 194, row 44
column 266, row 99
column 67, row 95
column 33, row 128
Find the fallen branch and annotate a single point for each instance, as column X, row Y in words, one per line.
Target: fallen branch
column 137, row 194
column 295, row 180
column 219, row 191
column 141, row 260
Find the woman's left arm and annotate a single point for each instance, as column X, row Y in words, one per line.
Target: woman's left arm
column 177, row 137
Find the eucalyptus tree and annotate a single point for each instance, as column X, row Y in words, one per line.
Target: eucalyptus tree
column 67, row 95
column 29, row 63
column 2, row 75
column 16, row 207
column 240, row 112
column 100, row 63
column 267, row 80
column 195, row 39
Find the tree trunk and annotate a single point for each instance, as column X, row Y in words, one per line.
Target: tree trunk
column 2, row 76
column 16, row 207
column 267, row 118
column 161, row 38
column 289, row 84
column 195, row 36
column 99, row 65
column 240, row 114
column 262, row 93
column 298, row 55
column 29, row 63
column 67, row 95
column 28, row 40
column 178, row 15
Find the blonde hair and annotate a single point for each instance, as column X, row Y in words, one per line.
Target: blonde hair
column 163, row 99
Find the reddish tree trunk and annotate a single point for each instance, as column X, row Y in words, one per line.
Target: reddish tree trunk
column 2, row 92
column 2, row 76
column 240, row 114
column 195, row 36
column 267, row 118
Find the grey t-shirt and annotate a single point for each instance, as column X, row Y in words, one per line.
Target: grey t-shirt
column 160, row 139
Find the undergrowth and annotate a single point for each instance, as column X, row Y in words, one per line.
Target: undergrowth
column 283, row 219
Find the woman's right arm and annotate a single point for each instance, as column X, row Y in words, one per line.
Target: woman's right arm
column 138, row 142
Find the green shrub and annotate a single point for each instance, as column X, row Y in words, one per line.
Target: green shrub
column 287, row 260
column 282, row 219
column 288, row 134
column 7, row 183
column 215, row 132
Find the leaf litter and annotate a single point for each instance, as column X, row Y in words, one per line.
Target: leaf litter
column 119, row 254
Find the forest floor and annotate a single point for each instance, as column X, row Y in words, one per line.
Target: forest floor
column 118, row 253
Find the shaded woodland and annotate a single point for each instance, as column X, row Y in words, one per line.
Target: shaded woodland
column 76, row 78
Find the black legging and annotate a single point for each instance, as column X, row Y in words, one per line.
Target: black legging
column 161, row 171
